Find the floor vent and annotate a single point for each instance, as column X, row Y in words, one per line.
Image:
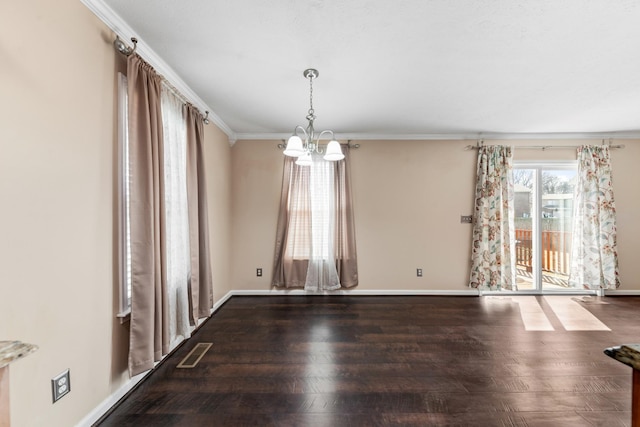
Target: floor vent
column 194, row 356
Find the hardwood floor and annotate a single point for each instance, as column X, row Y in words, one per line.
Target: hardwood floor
column 391, row 361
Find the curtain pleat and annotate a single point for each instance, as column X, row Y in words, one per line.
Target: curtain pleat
column 149, row 332
column 594, row 253
column 293, row 233
column 201, row 281
column 493, row 261
column 345, row 247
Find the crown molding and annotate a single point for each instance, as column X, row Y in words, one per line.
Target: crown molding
column 455, row 136
column 125, row 32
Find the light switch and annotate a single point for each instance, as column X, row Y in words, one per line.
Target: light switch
column 466, row 219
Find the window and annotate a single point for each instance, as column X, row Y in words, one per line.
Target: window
column 312, row 212
column 123, row 195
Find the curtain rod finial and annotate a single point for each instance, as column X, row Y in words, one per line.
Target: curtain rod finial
column 122, row 47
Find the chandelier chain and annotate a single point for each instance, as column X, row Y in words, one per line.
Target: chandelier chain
column 311, row 110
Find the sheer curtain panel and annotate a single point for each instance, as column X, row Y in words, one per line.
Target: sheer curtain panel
column 177, row 222
column 322, row 274
column 493, row 262
column 594, row 252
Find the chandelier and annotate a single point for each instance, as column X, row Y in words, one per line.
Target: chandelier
column 302, row 149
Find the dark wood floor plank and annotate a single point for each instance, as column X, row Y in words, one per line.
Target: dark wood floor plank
column 562, row 383
column 302, row 385
column 390, row 361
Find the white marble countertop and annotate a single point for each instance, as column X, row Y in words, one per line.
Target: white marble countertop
column 10, row 351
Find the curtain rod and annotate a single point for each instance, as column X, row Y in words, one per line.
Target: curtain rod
column 544, row 147
column 349, row 144
column 122, row 47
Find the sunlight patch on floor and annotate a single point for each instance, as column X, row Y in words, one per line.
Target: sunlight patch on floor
column 572, row 315
column 569, row 311
column 532, row 314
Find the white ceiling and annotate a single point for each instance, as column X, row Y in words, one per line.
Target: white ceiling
column 400, row 68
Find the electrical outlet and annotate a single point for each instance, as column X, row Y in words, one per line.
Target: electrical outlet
column 419, row 272
column 466, row 219
column 60, row 385
column 259, row 272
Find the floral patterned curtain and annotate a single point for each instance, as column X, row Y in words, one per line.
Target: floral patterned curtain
column 493, row 258
column 594, row 254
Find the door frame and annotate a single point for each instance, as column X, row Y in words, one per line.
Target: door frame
column 536, row 235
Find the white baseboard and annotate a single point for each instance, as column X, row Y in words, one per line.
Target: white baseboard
column 374, row 292
column 611, row 293
column 108, row 403
column 536, row 292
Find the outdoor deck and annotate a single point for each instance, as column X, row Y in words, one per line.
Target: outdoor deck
column 556, row 258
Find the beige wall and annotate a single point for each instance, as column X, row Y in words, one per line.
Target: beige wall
column 218, row 172
column 626, row 176
column 408, row 198
column 57, row 221
column 256, row 169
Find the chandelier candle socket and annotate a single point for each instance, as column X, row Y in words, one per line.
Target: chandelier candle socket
column 303, row 148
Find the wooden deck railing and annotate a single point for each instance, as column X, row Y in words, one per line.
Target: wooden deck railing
column 556, row 250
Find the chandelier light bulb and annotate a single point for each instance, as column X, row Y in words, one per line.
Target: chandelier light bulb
column 294, row 147
column 304, row 160
column 334, row 152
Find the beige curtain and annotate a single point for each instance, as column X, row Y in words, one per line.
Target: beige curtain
column 293, row 235
column 200, row 284
column 149, row 332
column 150, row 326
column 345, row 247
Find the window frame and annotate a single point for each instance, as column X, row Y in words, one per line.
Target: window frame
column 124, row 241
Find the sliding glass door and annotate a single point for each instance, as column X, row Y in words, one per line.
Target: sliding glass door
column 543, row 209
